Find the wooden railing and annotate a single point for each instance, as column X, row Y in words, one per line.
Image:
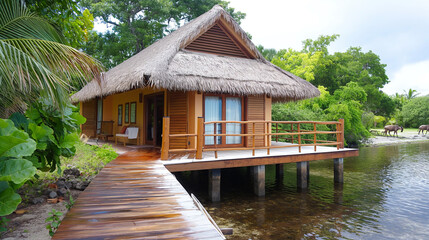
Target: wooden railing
column 294, row 132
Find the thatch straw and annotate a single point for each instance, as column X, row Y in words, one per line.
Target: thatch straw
column 172, row 68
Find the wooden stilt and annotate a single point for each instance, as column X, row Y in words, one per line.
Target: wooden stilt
column 302, row 175
column 338, row 170
column 214, row 185
column 279, row 170
column 259, row 180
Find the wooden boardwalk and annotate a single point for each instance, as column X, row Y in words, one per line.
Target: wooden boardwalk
column 135, row 197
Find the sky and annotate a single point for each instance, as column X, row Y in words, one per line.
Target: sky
column 396, row 30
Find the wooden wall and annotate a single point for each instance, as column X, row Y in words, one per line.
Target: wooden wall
column 89, row 111
column 178, row 112
column 256, row 111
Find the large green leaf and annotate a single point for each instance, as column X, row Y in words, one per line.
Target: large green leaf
column 69, row 140
column 16, row 170
column 14, row 142
column 9, row 200
column 78, row 119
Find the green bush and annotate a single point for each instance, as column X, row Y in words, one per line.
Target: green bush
column 416, row 112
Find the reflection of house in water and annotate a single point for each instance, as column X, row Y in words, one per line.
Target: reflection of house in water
column 210, row 91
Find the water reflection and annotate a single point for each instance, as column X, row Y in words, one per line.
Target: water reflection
column 385, row 196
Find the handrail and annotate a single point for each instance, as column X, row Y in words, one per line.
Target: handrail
column 271, row 129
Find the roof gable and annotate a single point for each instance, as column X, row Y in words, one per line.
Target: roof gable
column 218, row 40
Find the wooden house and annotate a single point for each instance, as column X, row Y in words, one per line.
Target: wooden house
column 207, row 68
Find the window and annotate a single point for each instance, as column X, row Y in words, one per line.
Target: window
column 99, row 114
column 133, row 108
column 221, row 108
column 126, row 113
column 120, row 115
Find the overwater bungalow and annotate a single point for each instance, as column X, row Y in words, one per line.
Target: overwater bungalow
column 204, row 95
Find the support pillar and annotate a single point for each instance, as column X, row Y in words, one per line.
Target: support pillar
column 279, row 171
column 302, row 175
column 214, row 185
column 259, row 180
column 338, row 170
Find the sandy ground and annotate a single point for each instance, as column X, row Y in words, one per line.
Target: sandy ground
column 31, row 224
column 403, row 137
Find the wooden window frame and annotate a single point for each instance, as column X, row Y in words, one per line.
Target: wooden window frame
column 120, row 111
column 243, row 115
column 127, row 113
column 135, row 113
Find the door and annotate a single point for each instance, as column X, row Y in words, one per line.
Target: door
column 154, row 109
column 99, row 114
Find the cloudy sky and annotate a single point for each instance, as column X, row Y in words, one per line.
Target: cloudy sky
column 396, row 30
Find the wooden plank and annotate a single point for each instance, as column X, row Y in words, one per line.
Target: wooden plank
column 135, row 197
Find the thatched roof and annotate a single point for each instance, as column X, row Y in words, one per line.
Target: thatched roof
column 165, row 64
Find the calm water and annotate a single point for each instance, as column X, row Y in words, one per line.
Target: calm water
column 385, row 196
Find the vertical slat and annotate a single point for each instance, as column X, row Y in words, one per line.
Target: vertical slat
column 341, row 120
column 315, row 137
column 291, row 130
column 337, row 125
column 200, row 137
column 268, row 138
column 299, row 137
column 165, row 138
column 215, row 138
column 277, row 130
column 253, row 139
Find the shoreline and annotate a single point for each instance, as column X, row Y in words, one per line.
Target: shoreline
column 405, row 137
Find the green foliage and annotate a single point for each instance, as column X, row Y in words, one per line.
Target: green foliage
column 416, row 112
column 73, row 21
column 14, row 169
column 368, row 120
column 379, row 121
column 139, row 23
column 3, row 224
column 34, row 60
column 315, row 64
column 70, row 204
column 53, row 221
column 268, row 53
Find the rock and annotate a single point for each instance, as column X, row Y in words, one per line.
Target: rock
column 37, row 200
column 60, row 183
column 53, row 194
column 72, row 172
column 82, row 185
column 21, row 211
column 52, row 200
column 62, row 192
column 73, row 183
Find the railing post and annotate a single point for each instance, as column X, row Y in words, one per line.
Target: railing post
column 200, row 137
column 253, row 139
column 315, row 137
column 268, row 137
column 338, row 129
column 341, row 120
column 299, row 137
column 165, row 138
column 215, row 138
column 291, row 130
column 277, row 131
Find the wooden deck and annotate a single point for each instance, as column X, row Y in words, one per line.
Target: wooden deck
column 244, row 158
column 135, row 197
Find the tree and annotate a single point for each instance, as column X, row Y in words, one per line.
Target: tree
column 410, row 94
column 139, row 23
column 34, row 61
column 67, row 16
column 268, row 53
column 416, row 112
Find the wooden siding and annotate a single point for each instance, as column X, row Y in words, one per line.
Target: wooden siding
column 217, row 41
column 178, row 112
column 256, row 111
column 89, row 111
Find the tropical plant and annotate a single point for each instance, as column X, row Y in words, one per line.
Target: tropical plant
column 410, row 94
column 34, row 61
column 15, row 170
column 53, row 221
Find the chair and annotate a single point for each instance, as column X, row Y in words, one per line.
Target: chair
column 130, row 133
column 106, row 130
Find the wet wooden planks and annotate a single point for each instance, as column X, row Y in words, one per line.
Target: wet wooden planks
column 135, row 197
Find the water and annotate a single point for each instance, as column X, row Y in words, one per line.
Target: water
column 385, row 196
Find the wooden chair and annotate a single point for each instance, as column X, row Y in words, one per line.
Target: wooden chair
column 130, row 133
column 106, row 130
